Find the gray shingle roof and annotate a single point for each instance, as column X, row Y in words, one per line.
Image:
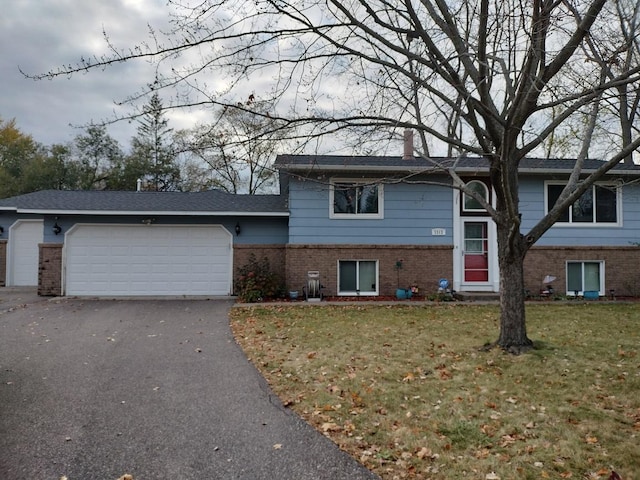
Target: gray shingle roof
column 209, row 202
column 301, row 163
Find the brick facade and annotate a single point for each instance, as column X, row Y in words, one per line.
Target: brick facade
column 50, row 269
column 421, row 265
column 3, row 263
column 620, row 267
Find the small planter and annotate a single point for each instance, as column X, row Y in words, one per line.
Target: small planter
column 403, row 294
column 293, row 294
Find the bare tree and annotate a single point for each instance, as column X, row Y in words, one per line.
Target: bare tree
column 492, row 78
column 239, row 147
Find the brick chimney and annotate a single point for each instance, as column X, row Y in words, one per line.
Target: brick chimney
column 408, row 145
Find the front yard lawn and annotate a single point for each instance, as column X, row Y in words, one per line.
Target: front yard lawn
column 407, row 391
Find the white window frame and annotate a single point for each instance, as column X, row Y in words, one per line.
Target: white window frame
column 465, row 196
column 594, row 223
column 348, row 293
column 355, row 183
column 571, row 293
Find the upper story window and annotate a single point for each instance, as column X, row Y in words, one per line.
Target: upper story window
column 598, row 205
column 351, row 199
column 470, row 204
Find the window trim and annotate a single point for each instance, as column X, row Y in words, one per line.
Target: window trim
column 594, row 223
column 356, row 182
column 601, row 275
column 349, row 293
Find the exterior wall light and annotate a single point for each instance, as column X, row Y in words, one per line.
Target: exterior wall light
column 57, row 228
column 238, row 229
column 1, row 229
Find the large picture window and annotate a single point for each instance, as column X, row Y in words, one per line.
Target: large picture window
column 358, row 277
column 599, row 204
column 356, row 199
column 584, row 277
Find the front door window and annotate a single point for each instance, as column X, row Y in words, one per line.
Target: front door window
column 476, row 251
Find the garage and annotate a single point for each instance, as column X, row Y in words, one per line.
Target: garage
column 147, row 260
column 22, row 260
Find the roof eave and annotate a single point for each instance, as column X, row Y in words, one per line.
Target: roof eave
column 150, row 212
column 434, row 170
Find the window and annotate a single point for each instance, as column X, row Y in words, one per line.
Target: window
column 356, row 199
column 358, row 277
column 470, row 204
column 585, row 276
column 599, row 204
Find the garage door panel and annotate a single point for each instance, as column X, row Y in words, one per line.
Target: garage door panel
column 147, row 260
column 23, row 250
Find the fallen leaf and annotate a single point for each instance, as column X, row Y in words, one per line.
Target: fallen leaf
column 423, row 452
column 591, row 440
column 277, row 446
column 491, row 476
column 329, row 427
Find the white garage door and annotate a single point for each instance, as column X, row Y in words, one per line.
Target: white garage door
column 135, row 260
column 22, row 264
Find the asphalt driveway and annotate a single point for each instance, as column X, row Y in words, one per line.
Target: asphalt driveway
column 158, row 389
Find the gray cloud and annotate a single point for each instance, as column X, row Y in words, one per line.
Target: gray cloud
column 40, row 35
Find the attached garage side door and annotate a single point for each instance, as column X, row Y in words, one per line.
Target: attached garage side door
column 146, row 260
column 23, row 257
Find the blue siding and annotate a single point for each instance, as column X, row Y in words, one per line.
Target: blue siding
column 532, row 208
column 411, row 211
column 8, row 218
column 254, row 230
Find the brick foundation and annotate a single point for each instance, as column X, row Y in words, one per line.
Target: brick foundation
column 50, row 269
column 620, row 267
column 422, row 265
column 3, row 263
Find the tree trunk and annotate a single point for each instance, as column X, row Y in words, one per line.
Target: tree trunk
column 513, row 329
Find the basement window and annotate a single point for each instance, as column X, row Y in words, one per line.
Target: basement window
column 358, row 277
column 585, row 276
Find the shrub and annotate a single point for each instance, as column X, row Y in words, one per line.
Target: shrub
column 256, row 281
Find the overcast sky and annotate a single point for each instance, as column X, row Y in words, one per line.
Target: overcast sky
column 39, row 35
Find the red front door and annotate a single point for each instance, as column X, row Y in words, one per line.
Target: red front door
column 476, row 251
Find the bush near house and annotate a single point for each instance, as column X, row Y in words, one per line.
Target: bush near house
column 257, row 282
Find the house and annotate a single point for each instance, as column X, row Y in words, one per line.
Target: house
column 358, row 219
column 368, row 225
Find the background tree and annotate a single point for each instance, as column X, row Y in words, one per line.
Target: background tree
column 153, row 157
column 94, row 153
column 27, row 166
column 17, row 150
column 239, row 148
column 492, row 78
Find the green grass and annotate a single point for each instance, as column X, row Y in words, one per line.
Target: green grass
column 406, row 390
